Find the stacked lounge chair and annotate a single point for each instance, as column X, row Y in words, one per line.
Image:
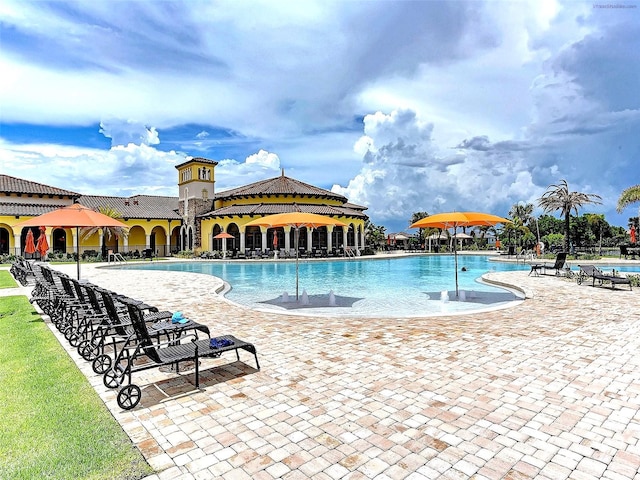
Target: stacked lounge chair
column 122, row 335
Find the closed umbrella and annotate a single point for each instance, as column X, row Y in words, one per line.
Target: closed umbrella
column 29, row 245
column 454, row 220
column 632, row 233
column 43, row 245
column 295, row 220
column 75, row 215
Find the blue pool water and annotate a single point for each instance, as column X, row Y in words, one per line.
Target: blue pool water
column 405, row 286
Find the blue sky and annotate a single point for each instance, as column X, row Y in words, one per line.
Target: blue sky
column 401, row 106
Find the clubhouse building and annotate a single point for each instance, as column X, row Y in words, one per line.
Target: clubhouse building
column 189, row 222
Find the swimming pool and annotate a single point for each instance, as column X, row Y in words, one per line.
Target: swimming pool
column 405, row 286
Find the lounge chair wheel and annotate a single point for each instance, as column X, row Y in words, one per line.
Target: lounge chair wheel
column 114, row 377
column 87, row 350
column 68, row 330
column 129, row 397
column 74, row 339
column 101, row 364
column 82, row 348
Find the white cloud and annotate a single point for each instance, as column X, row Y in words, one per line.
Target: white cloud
column 122, row 170
column 404, row 171
column 481, row 103
column 265, row 159
column 258, row 166
column 129, row 131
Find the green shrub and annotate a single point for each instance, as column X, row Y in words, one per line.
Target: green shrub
column 635, row 280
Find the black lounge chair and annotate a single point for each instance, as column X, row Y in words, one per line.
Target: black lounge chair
column 119, row 328
column 561, row 259
column 624, row 251
column 590, row 271
column 22, row 271
column 143, row 352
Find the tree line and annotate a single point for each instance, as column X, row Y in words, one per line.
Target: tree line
column 568, row 232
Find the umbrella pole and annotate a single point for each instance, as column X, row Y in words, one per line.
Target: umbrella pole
column 455, row 256
column 78, row 249
column 296, row 237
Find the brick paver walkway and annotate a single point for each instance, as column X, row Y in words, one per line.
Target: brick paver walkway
column 549, row 389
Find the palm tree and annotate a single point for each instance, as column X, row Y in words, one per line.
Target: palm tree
column 558, row 197
column 109, row 211
column 422, row 232
column 484, row 231
column 597, row 222
column 522, row 216
column 523, row 211
column 627, row 197
column 374, row 234
column 417, row 216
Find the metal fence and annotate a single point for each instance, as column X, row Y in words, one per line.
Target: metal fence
column 93, row 251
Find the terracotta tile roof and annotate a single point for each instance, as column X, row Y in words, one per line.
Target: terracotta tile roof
column 355, row 206
column 157, row 207
column 281, row 185
column 271, row 208
column 138, row 206
column 198, row 159
column 26, row 209
column 10, row 184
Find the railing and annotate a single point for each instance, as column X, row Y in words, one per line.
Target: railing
column 115, row 257
column 348, row 252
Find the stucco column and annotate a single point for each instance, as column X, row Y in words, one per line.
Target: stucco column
column 309, row 239
column 362, row 237
column 355, row 238
column 148, row 241
column 287, row 239
column 125, row 244
column 263, row 245
column 242, row 247
column 17, row 250
column 167, row 239
column 329, row 238
column 74, row 241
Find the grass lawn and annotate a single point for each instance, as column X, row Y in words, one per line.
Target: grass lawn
column 53, row 424
column 6, row 280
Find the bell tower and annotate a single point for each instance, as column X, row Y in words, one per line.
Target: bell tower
column 196, row 180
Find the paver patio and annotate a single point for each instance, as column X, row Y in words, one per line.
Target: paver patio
column 548, row 389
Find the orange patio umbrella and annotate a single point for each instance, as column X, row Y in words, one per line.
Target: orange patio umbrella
column 224, row 235
column 295, row 220
column 454, row 220
column 75, row 215
column 29, row 244
column 43, row 245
